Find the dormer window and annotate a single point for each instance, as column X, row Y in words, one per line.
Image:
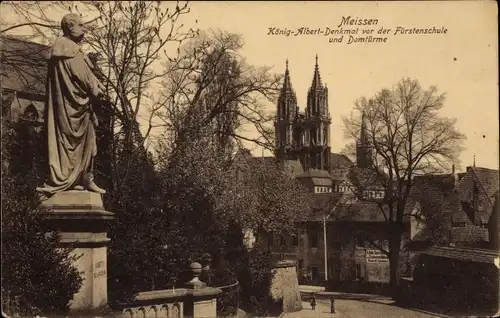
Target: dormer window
column 31, row 113
column 480, row 205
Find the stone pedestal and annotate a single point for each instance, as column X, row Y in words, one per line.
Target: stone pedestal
column 82, row 221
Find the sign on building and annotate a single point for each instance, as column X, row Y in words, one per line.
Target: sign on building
column 322, row 190
column 375, row 256
column 284, row 256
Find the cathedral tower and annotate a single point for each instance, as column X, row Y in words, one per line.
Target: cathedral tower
column 317, row 123
column 304, row 136
column 286, row 115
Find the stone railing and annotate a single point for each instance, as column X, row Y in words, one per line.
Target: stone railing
column 158, row 303
column 195, row 299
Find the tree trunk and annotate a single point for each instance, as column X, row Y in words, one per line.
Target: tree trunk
column 394, row 251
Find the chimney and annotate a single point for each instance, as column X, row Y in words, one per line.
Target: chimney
column 454, row 176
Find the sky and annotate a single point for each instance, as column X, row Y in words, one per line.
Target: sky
column 462, row 63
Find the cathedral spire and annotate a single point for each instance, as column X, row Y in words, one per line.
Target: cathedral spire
column 316, row 83
column 363, row 137
column 363, row 150
column 286, row 112
column 287, row 83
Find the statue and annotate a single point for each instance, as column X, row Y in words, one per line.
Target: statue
column 72, row 91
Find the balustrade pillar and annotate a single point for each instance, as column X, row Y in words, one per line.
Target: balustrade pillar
column 202, row 300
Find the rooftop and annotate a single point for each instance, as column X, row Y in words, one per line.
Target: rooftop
column 24, row 65
column 463, row 254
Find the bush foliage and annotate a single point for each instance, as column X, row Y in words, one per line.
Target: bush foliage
column 37, row 276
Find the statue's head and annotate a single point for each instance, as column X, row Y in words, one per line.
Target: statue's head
column 72, row 27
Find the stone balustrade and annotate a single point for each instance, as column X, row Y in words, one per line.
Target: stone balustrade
column 159, row 303
column 195, row 299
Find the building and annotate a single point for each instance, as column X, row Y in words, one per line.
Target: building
column 450, row 209
column 22, row 86
column 456, row 210
column 456, row 281
column 22, row 79
column 354, row 229
column 304, row 136
column 477, row 188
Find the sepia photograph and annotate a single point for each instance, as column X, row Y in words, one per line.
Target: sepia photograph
column 250, row 159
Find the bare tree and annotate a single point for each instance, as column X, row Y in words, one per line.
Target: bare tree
column 404, row 136
column 133, row 38
column 213, row 91
column 32, row 17
column 40, row 20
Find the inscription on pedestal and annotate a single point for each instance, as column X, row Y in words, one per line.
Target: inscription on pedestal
column 99, row 269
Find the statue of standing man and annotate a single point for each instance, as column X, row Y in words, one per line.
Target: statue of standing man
column 72, row 91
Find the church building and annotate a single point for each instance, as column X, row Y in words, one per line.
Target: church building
column 304, row 136
column 347, row 223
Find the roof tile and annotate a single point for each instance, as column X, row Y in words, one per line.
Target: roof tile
column 465, row 254
column 488, row 179
column 24, row 65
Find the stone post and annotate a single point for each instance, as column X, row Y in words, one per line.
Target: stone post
column 201, row 301
column 82, row 221
column 285, row 286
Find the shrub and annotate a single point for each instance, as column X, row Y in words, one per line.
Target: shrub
column 37, row 276
column 255, row 280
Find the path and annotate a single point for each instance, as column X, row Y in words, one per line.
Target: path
column 357, row 308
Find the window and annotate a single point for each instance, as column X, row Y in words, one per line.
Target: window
column 458, row 224
column 282, row 240
column 358, row 271
column 360, row 240
column 271, row 239
column 295, row 240
column 331, row 267
column 480, row 204
column 353, row 272
column 30, row 114
column 313, row 137
column 313, row 240
column 314, row 273
column 239, row 174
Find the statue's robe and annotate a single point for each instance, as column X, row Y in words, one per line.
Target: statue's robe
column 71, row 88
